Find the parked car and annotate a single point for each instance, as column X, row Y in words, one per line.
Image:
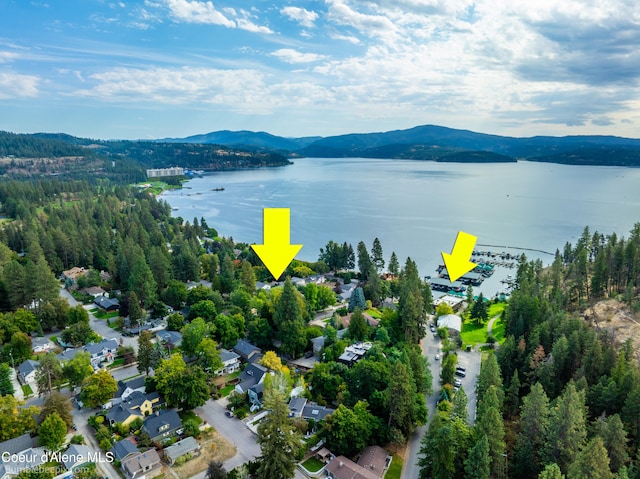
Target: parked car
column 229, row 413
column 457, row 383
column 437, row 357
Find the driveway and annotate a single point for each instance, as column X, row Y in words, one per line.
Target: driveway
column 431, row 345
column 234, row 431
column 100, row 325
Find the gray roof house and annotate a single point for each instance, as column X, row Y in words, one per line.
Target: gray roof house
column 314, row 411
column 75, row 456
column 27, row 371
column 296, row 405
column 230, row 361
column 108, row 304
column 246, row 350
column 102, row 352
column 142, row 465
column 180, row 448
column 162, row 425
column 27, row 455
column 172, row 338
column 125, row 388
column 41, row 345
column 253, row 374
column 124, row 448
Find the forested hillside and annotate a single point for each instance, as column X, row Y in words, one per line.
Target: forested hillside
column 561, row 396
column 44, row 154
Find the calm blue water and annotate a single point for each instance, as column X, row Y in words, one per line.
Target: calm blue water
column 416, row 208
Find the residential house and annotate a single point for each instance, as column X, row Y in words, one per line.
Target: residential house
column 76, row 456
column 230, row 361
column 254, row 394
column 296, row 405
column 21, row 453
column 71, row 276
column 253, row 374
column 103, row 352
column 142, row 465
column 162, row 425
column 454, row 301
column 264, row 286
column 95, row 291
column 137, row 405
column 372, row 464
column 125, row 388
column 247, row 351
column 41, row 345
column 353, row 353
column 27, row 371
column 108, row 304
column 371, row 321
column 316, row 412
column 298, row 281
column 123, row 449
column 181, row 448
column 171, row 339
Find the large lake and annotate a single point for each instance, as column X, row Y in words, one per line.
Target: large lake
column 417, row 207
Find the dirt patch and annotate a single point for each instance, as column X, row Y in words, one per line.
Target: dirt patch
column 618, row 319
column 214, row 448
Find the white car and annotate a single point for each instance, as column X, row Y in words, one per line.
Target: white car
column 437, row 357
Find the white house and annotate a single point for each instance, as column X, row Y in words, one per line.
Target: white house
column 230, row 361
column 41, row 345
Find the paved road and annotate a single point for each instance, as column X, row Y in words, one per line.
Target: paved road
column 431, row 345
column 100, row 325
column 236, row 432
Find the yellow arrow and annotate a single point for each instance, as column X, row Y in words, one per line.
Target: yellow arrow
column 458, row 262
column 277, row 252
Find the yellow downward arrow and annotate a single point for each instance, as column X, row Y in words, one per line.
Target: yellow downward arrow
column 458, row 262
column 277, row 252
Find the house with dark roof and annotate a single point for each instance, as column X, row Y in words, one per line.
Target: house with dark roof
column 296, row 405
column 163, row 425
column 171, row 339
column 253, row 374
column 27, row 371
column 125, row 388
column 230, row 362
column 123, row 449
column 22, row 454
column 142, row 465
column 108, row 304
column 254, row 394
column 137, row 404
column 354, row 353
column 246, row 350
column 188, row 445
column 103, row 352
column 313, row 411
column 76, row 456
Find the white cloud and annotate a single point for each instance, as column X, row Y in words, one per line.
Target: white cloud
column 373, row 25
column 7, row 56
column 13, row 85
column 304, row 17
column 192, row 11
column 290, row 55
column 245, row 24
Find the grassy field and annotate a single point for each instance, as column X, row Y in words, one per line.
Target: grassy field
column 473, row 333
column 27, row 391
column 225, row 391
column 214, row 448
column 395, row 469
column 312, row 464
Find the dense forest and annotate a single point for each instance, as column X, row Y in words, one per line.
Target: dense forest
column 122, row 161
column 561, row 395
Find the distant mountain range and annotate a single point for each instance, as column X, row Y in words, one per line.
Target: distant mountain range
column 438, row 143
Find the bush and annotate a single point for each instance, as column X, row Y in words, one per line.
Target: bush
column 105, row 444
column 180, row 461
column 136, row 424
column 76, row 439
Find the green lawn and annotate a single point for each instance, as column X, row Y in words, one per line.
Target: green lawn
column 498, row 330
column 473, row 333
column 496, row 308
column 395, row 469
column 27, row 391
column 312, row 464
column 374, row 313
column 102, row 314
column 225, row 391
column 118, row 362
column 186, row 415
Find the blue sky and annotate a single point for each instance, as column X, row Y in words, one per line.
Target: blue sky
column 170, row 68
